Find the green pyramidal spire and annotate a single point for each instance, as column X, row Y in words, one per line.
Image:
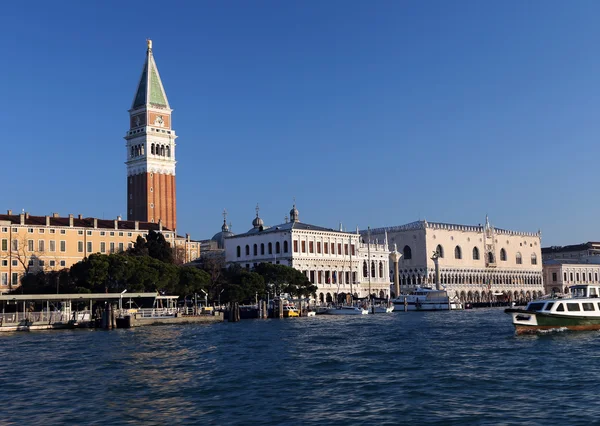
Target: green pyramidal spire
column 150, row 91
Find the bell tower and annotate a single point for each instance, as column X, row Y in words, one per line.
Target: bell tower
column 151, row 151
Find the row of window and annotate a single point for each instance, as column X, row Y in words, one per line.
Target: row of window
column 262, row 249
column 79, row 232
column 407, row 254
column 327, row 248
column 373, row 269
column 576, row 276
column 41, row 246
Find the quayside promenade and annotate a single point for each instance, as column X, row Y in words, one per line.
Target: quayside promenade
column 96, row 310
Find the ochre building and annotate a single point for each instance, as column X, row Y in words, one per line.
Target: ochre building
column 31, row 244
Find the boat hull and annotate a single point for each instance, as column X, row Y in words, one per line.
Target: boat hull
column 425, row 306
column 527, row 322
column 345, row 311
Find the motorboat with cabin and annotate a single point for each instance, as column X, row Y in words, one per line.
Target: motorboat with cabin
column 579, row 311
column 426, row 299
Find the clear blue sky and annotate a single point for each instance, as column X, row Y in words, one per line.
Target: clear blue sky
column 369, row 113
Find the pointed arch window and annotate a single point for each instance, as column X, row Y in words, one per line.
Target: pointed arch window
column 380, row 269
column 152, row 149
column 533, row 259
column 519, row 259
column 503, row 255
column 440, row 250
column 407, row 253
column 490, row 257
column 372, row 269
column 457, row 252
column 255, row 250
column 262, row 249
column 277, row 247
column 365, row 267
column 475, row 253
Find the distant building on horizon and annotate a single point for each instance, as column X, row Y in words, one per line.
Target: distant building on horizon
column 338, row 262
column 477, row 263
column 569, row 265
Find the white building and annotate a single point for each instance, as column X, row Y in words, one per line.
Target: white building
column 559, row 275
column 477, row 263
column 338, row 262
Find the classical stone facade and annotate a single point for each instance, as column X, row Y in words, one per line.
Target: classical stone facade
column 477, row 263
column 559, row 275
column 338, row 262
column 30, row 244
column 151, row 194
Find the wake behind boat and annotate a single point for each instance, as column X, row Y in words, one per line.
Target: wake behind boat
column 580, row 311
column 426, row 299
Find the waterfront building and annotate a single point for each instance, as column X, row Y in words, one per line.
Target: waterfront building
column 151, row 151
column 560, row 274
column 476, row 263
column 574, row 251
column 31, row 244
column 338, row 262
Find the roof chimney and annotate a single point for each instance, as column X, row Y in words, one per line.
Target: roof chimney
column 79, row 216
column 95, row 223
column 117, row 223
column 71, row 220
column 55, row 215
column 22, row 218
column 47, row 220
column 137, row 225
column 159, row 225
column 9, row 212
column 26, row 215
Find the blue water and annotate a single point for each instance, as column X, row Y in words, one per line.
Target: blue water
column 443, row 368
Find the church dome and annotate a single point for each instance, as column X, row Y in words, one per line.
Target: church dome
column 219, row 237
column 294, row 214
column 257, row 222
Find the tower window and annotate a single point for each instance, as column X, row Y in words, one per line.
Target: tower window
column 151, row 189
column 151, row 205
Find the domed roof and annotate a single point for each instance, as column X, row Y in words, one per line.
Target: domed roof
column 258, row 222
column 294, row 214
column 219, row 237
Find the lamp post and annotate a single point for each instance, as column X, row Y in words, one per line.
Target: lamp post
column 221, row 292
column 121, row 300
column 205, row 298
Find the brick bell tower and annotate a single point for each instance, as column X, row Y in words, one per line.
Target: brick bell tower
column 151, row 151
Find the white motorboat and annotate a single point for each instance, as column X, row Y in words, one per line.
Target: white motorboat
column 580, row 311
column 426, row 299
column 347, row 310
column 382, row 309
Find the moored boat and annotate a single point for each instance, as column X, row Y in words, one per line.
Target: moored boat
column 426, row 299
column 579, row 311
column 347, row 310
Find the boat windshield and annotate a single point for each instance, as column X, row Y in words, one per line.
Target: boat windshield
column 536, row 306
column 578, row 291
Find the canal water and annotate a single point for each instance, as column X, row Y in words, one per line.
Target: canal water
column 443, row 368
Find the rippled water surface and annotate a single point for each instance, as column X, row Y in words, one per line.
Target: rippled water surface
column 463, row 367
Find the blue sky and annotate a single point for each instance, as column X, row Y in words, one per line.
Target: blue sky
column 369, row 113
